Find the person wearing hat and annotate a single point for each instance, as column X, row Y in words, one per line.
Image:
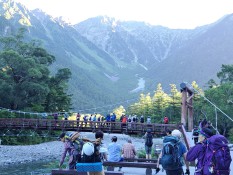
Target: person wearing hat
column 198, row 151
column 68, row 148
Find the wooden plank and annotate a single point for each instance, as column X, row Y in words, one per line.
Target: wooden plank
column 67, row 172
column 131, row 164
column 73, row 172
column 140, row 160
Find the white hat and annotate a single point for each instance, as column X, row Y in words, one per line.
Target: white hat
column 88, row 148
column 176, row 133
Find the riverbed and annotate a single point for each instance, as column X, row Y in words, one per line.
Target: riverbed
column 34, row 159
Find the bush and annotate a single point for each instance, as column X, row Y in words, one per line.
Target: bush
column 142, row 154
column 230, row 135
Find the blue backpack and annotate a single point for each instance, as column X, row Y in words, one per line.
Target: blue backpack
column 217, row 157
column 171, row 160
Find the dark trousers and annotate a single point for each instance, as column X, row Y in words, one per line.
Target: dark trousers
column 175, row 172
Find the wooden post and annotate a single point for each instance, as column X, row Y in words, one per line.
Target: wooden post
column 184, row 108
column 190, row 112
column 187, row 105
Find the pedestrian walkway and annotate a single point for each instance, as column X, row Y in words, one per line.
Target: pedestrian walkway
column 143, row 171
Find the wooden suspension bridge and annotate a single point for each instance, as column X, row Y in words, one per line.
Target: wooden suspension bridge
column 81, row 126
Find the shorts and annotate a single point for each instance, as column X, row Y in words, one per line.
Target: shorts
column 148, row 149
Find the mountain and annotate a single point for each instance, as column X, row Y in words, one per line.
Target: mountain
column 94, row 74
column 113, row 61
column 168, row 55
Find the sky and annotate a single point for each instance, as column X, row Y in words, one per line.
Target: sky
column 176, row 14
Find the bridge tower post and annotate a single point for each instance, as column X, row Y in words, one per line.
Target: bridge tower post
column 187, row 105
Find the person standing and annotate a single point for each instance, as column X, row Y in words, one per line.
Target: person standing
column 78, row 118
column 148, row 143
column 91, row 153
column 197, row 152
column 148, row 121
column 128, row 150
column 68, row 148
column 173, row 155
column 65, row 116
column 165, row 120
column 195, row 134
column 85, row 119
column 114, row 151
column 142, row 119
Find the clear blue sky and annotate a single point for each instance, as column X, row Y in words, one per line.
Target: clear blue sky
column 169, row 13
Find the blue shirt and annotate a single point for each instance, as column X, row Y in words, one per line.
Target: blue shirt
column 182, row 150
column 114, row 152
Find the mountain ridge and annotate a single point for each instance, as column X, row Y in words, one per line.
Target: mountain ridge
column 108, row 58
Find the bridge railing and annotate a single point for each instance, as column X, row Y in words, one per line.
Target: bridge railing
column 73, row 125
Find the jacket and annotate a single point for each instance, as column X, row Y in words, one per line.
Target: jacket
column 198, row 152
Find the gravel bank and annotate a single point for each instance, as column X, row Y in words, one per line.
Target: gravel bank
column 52, row 150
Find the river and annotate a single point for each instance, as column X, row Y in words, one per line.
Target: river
column 33, row 168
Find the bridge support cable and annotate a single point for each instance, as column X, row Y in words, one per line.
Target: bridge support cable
column 213, row 104
column 215, row 107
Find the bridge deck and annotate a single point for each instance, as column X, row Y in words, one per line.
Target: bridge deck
column 72, row 125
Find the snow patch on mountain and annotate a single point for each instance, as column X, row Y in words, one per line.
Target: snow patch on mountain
column 113, row 78
column 144, row 67
column 141, row 86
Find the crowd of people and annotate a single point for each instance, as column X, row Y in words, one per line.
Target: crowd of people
column 210, row 153
column 126, row 120
column 113, row 152
column 173, row 156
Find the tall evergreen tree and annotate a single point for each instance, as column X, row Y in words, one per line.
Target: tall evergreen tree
column 160, row 102
column 25, row 81
column 174, row 109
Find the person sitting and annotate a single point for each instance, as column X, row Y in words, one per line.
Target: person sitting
column 128, row 150
column 114, row 151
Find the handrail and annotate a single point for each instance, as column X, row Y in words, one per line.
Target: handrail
column 186, row 140
column 89, row 126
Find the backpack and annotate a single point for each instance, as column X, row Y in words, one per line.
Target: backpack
column 171, row 160
column 76, row 144
column 149, row 140
column 218, row 157
column 90, row 152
